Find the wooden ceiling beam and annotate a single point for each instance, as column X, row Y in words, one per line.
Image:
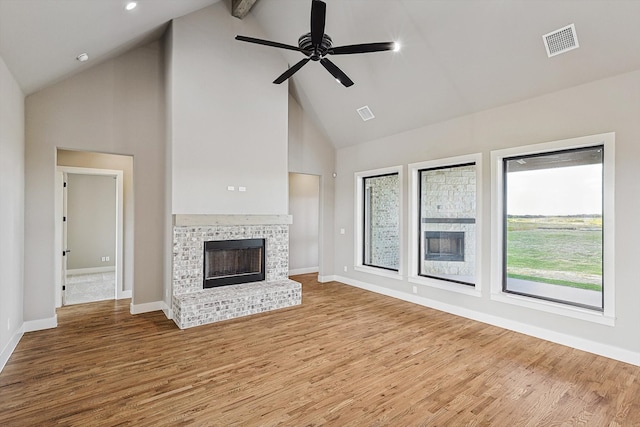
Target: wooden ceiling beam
column 240, row 8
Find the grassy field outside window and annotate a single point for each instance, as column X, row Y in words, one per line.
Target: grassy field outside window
column 559, row 250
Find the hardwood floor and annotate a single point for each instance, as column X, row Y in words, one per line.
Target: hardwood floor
column 345, row 357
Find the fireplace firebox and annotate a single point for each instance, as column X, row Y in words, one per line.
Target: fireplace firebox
column 444, row 245
column 231, row 262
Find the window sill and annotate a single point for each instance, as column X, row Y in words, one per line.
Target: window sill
column 379, row 272
column 555, row 308
column 446, row 285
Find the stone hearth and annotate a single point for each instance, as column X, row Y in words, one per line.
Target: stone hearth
column 192, row 305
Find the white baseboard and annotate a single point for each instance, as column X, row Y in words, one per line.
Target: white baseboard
column 124, row 295
column 91, row 270
column 7, row 351
column 583, row 344
column 40, row 324
column 325, row 279
column 308, row 270
column 168, row 312
column 147, row 307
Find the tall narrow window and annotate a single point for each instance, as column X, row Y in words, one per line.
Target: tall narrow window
column 447, row 231
column 553, row 226
column 381, row 221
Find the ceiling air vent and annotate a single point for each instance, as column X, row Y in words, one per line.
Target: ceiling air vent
column 365, row 113
column 561, row 41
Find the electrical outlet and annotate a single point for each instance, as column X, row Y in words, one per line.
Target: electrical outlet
column 345, row 268
column 342, row 231
column 107, row 259
column 103, row 259
column 415, row 289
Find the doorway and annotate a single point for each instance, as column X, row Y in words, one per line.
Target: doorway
column 304, row 233
column 111, row 167
column 91, row 212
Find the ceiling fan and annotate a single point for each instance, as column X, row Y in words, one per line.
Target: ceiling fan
column 316, row 45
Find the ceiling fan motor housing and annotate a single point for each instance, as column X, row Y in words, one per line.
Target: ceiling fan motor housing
column 315, row 52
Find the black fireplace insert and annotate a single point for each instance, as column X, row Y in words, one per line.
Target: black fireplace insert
column 231, row 262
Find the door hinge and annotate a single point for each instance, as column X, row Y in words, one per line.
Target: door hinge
column 64, row 288
column 64, row 185
column 64, row 219
column 64, row 253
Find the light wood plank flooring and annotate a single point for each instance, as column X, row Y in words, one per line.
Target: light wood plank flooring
column 346, row 357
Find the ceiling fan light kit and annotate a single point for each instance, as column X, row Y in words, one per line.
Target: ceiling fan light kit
column 316, row 45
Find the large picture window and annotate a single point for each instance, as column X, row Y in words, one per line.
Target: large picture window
column 381, row 221
column 447, row 231
column 553, row 226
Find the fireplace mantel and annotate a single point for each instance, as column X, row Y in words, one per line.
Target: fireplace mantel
column 195, row 220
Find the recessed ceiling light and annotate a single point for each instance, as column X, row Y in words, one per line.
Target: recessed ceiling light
column 131, row 5
column 82, row 57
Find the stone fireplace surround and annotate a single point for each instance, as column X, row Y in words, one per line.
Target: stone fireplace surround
column 192, row 305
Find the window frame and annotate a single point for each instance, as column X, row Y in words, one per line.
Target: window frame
column 414, row 232
column 498, row 242
column 359, row 223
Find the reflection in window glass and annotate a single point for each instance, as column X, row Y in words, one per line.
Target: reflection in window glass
column 447, row 223
column 382, row 221
column 553, row 226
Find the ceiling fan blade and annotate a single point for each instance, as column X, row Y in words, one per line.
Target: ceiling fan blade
column 336, row 72
column 362, row 48
column 291, row 71
column 318, row 15
column 269, row 43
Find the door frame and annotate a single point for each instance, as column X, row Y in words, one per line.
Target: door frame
column 120, row 293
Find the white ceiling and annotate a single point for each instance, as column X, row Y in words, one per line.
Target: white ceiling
column 40, row 39
column 458, row 57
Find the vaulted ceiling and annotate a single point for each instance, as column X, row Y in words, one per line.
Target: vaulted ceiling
column 457, row 57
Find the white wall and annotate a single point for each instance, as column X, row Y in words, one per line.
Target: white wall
column 311, row 152
column 603, row 106
column 304, row 206
column 91, row 221
column 11, row 211
column 229, row 122
column 114, row 107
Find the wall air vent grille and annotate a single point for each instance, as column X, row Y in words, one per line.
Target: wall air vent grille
column 365, row 113
column 561, row 41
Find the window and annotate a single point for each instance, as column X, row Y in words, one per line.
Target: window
column 381, row 246
column 448, row 223
column 555, row 231
column 445, row 237
column 553, row 226
column 378, row 221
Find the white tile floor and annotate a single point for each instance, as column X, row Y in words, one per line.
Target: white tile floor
column 81, row 288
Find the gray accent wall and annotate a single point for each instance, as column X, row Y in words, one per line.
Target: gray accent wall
column 228, row 121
